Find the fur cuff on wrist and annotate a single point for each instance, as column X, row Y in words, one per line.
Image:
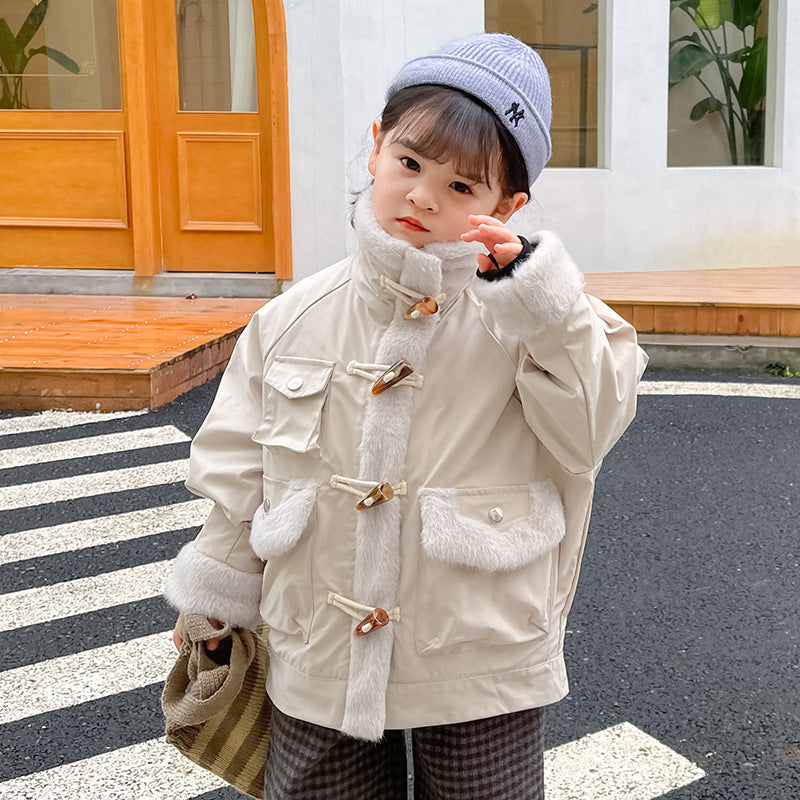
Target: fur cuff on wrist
column 539, row 292
column 204, row 585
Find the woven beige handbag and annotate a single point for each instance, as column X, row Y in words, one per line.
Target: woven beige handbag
column 219, row 715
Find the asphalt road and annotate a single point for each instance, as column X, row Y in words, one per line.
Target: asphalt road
column 685, row 624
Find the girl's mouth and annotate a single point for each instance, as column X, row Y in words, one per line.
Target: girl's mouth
column 413, row 224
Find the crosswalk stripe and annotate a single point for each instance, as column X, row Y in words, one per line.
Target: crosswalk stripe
column 152, row 770
column 621, row 762
column 88, row 675
column 764, row 390
column 122, row 527
column 59, row 489
column 45, row 603
column 92, row 446
column 47, row 420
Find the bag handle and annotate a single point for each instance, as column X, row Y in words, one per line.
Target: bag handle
column 197, row 688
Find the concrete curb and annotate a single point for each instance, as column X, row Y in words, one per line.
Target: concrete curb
column 124, row 283
column 677, row 351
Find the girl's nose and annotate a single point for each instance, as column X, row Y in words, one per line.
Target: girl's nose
column 422, row 198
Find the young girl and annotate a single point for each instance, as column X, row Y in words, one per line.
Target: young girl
column 402, row 454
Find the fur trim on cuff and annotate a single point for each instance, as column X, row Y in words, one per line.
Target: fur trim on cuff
column 540, row 291
column 203, row 585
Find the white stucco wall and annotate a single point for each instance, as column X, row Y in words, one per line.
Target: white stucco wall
column 631, row 214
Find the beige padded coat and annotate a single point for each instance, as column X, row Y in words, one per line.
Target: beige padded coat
column 491, row 448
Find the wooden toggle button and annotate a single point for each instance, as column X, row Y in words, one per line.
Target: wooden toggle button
column 422, row 308
column 399, row 370
column 377, row 618
column 381, row 493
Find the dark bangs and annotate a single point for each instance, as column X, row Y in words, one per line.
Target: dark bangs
column 445, row 124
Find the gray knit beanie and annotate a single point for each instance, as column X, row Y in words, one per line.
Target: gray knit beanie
column 503, row 73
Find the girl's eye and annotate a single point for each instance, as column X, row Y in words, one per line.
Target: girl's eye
column 409, row 163
column 460, row 187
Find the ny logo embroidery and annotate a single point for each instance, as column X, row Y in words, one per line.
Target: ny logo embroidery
column 515, row 113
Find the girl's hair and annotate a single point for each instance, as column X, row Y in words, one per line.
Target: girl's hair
column 444, row 124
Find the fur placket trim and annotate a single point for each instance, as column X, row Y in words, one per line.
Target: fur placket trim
column 382, row 452
column 539, row 293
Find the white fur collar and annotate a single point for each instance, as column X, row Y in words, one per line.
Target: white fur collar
column 441, row 267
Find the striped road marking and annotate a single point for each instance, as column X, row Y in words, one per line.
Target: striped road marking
column 122, row 527
column 98, row 483
column 59, row 419
column 85, row 676
column 46, row 603
column 766, row 390
column 619, row 763
column 151, row 770
column 92, row 446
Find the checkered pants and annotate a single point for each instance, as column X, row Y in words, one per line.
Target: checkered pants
column 499, row 758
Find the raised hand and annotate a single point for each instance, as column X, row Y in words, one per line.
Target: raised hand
column 493, row 234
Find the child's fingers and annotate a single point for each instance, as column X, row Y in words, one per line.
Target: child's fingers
column 489, row 236
column 213, row 644
column 485, row 263
column 484, row 219
column 177, row 633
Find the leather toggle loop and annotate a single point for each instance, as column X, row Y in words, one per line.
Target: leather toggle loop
column 422, row 308
column 399, row 370
column 380, row 493
column 377, row 618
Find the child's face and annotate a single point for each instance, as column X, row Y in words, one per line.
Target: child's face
column 422, row 201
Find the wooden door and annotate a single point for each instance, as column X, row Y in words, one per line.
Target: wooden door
column 64, row 173
column 101, row 167
column 221, row 136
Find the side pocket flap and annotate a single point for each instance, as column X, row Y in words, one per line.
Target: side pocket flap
column 280, row 521
column 495, row 530
column 298, row 377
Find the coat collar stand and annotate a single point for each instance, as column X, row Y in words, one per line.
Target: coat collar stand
column 436, row 269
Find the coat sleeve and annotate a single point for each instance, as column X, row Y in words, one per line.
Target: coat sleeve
column 579, row 363
column 218, row 574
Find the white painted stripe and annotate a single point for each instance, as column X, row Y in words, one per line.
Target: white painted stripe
column 618, row 763
column 92, row 446
column 102, row 530
column 59, row 419
column 767, row 390
column 88, row 675
column 98, row 483
column 151, row 770
column 44, row 603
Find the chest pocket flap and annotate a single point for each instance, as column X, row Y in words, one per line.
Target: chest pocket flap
column 293, row 403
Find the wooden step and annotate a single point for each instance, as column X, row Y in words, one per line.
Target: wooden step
column 112, row 353
column 126, row 353
column 758, row 301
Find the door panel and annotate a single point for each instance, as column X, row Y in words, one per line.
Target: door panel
column 214, row 165
column 63, row 163
column 72, row 179
column 101, row 167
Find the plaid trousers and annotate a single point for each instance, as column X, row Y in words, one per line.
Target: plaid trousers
column 499, row 758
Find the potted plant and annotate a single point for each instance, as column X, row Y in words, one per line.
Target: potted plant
column 739, row 94
column 14, row 57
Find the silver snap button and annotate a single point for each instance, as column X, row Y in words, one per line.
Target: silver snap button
column 294, row 383
column 266, row 504
column 496, row 514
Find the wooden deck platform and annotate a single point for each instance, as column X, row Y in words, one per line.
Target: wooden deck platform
column 89, row 353
column 125, row 353
column 762, row 301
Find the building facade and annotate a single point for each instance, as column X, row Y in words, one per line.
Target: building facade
column 222, row 137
